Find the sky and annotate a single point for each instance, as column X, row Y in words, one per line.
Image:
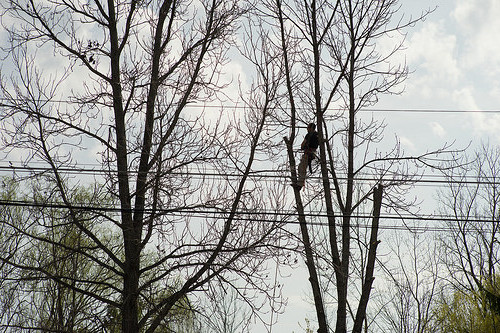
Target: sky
column 455, row 66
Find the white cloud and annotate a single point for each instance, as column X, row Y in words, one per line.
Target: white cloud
column 480, row 124
column 464, row 98
column 407, row 143
column 433, row 50
column 478, row 21
column 431, row 55
column 485, row 124
column 437, row 129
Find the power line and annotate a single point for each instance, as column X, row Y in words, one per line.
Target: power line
column 271, row 174
column 240, row 107
column 397, row 227
column 221, row 214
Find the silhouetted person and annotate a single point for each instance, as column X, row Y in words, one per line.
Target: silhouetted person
column 309, row 146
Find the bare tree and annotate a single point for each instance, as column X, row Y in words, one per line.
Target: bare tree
column 472, row 200
column 332, row 68
column 226, row 313
column 406, row 302
column 126, row 73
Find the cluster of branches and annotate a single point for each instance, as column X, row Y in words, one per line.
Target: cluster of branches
column 130, row 69
column 325, row 57
column 449, row 282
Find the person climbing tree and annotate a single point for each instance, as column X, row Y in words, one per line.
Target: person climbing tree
column 309, row 146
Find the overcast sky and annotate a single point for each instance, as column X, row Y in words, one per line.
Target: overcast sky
column 456, row 65
column 454, row 57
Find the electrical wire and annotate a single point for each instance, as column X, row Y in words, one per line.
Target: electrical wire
column 240, row 107
column 256, row 216
column 264, row 174
column 283, row 215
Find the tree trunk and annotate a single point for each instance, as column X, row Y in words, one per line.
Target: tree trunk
column 370, row 265
column 311, row 266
